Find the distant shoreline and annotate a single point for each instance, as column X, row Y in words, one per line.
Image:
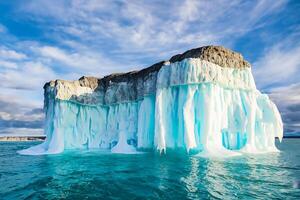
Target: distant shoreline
column 42, row 138
column 21, row 138
column 291, row 136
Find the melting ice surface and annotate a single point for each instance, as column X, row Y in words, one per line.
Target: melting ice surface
column 197, row 106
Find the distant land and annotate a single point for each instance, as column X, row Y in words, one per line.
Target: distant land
column 291, row 135
column 15, row 138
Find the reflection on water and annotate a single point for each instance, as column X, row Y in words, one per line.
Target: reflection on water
column 193, row 179
column 98, row 174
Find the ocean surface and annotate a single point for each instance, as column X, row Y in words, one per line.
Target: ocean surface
column 101, row 175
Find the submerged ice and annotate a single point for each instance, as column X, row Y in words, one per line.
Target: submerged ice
column 190, row 104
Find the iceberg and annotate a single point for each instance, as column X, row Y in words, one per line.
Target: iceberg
column 204, row 100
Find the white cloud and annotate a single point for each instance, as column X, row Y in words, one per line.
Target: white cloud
column 287, row 99
column 8, row 64
column 28, row 75
column 280, row 64
column 18, row 111
column 135, row 26
column 286, row 95
column 5, row 116
column 81, row 60
column 11, row 54
column 21, row 116
column 22, row 132
column 76, row 60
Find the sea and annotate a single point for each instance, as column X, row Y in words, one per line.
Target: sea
column 96, row 174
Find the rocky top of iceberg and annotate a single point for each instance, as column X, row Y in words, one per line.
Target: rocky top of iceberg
column 134, row 85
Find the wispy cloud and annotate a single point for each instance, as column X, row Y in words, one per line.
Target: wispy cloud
column 11, row 54
column 78, row 60
column 135, row 26
column 280, row 63
column 8, row 64
column 36, row 75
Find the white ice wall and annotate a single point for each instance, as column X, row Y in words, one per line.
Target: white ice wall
column 197, row 105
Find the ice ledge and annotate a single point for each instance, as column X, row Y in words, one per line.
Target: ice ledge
column 214, row 64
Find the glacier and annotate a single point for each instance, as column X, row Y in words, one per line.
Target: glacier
column 202, row 101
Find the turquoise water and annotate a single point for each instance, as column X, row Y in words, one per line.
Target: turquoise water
column 101, row 175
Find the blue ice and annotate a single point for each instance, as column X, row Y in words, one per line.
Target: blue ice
column 197, row 106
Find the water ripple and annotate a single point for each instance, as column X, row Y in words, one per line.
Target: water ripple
column 101, row 175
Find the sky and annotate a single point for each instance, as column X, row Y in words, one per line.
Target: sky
column 41, row 40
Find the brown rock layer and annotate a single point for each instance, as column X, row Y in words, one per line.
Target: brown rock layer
column 110, row 89
column 215, row 54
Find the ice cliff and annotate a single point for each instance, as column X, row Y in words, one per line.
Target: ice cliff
column 203, row 100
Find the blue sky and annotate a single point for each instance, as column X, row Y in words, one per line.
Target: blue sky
column 42, row 40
